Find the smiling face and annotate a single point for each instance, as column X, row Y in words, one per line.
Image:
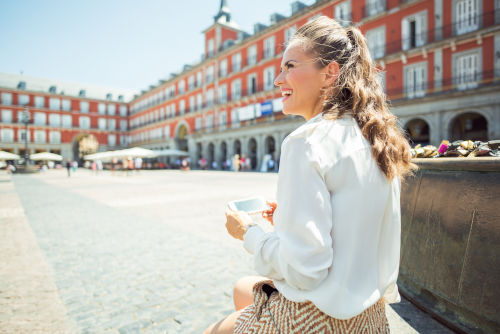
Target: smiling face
column 301, row 82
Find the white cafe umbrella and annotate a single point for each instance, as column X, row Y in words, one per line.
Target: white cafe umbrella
column 46, row 156
column 170, row 153
column 136, row 152
column 100, row 155
column 8, row 156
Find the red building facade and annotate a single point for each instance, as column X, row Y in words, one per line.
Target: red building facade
column 439, row 62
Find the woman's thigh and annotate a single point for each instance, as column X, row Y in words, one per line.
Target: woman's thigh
column 225, row 326
column 242, row 294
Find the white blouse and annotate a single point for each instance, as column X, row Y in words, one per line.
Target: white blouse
column 337, row 226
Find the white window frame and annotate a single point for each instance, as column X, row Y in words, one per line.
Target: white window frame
column 7, row 135
column 6, row 99
column 84, row 122
column 55, row 120
column 236, row 90
column 415, row 79
column 54, row 137
column 111, row 109
column 6, row 116
column 222, row 93
column 23, row 99
column 84, row 107
column 252, row 55
column 54, row 103
column 66, row 105
column 249, row 83
column 420, row 20
column 123, row 125
column 111, row 140
column 375, row 39
column 39, row 118
column 101, row 123
column 343, row 13
column 21, row 134
column 111, row 124
column 101, row 108
column 123, row 110
column 236, row 62
column 39, row 102
column 269, row 47
column 467, row 68
column 66, row 121
column 182, row 107
column 466, row 15
column 40, row 136
column 289, row 32
column 269, row 75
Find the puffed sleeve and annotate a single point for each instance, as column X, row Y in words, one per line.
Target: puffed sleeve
column 299, row 250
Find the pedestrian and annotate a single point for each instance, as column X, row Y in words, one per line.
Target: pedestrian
column 138, row 164
column 74, row 166
column 332, row 258
column 68, row 166
column 243, row 163
column 236, row 162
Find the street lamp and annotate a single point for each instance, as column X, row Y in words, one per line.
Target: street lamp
column 26, row 119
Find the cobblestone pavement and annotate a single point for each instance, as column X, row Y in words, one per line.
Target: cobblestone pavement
column 144, row 253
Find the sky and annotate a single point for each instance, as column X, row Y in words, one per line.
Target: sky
column 128, row 44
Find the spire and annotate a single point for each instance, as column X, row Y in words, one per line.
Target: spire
column 224, row 14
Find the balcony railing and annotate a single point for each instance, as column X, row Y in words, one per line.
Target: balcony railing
column 458, row 83
column 429, row 36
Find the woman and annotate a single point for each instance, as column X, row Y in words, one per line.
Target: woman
column 332, row 260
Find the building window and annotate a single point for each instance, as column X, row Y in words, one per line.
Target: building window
column 123, row 125
column 182, row 107
column 172, row 110
column 111, row 140
column 124, row 140
column 54, row 137
column 66, row 105
column 269, row 78
column 414, row 30
column 197, row 123
column 199, row 101
column 23, row 99
column 210, row 97
column 123, row 110
column 466, row 16
column 374, row 7
column 166, row 131
column 375, row 39
column 210, row 48
column 252, row 84
column 235, row 118
column 192, row 106
column 222, row 118
column 209, row 121
column 415, row 79
column 111, row 109
column 191, row 82
column 7, row 135
column 101, row 124
column 343, row 13
column 39, row 118
column 22, row 135
column 39, row 102
column 199, row 76
column 467, row 69
column 84, row 106
column 236, row 90
column 55, row 120
column 223, row 68
column 67, row 121
column 236, row 60
column 84, row 122
column 222, row 93
column 289, row 33
column 181, row 86
column 101, row 108
column 54, row 103
column 252, row 55
column 209, row 75
column 269, row 50
column 6, row 116
column 40, row 136
column 6, row 99
column 112, row 124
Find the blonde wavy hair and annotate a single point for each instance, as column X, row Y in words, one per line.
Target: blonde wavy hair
column 357, row 91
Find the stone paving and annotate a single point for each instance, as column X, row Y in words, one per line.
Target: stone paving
column 144, row 253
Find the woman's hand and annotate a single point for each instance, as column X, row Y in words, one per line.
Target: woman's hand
column 236, row 223
column 268, row 214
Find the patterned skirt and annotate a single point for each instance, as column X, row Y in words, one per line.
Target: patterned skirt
column 271, row 313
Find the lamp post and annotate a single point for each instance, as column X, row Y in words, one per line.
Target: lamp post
column 26, row 120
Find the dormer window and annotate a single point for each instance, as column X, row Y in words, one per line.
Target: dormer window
column 120, row 98
column 21, row 85
column 109, row 96
column 82, row 93
column 52, row 89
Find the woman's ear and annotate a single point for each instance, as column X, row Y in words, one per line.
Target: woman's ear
column 331, row 72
